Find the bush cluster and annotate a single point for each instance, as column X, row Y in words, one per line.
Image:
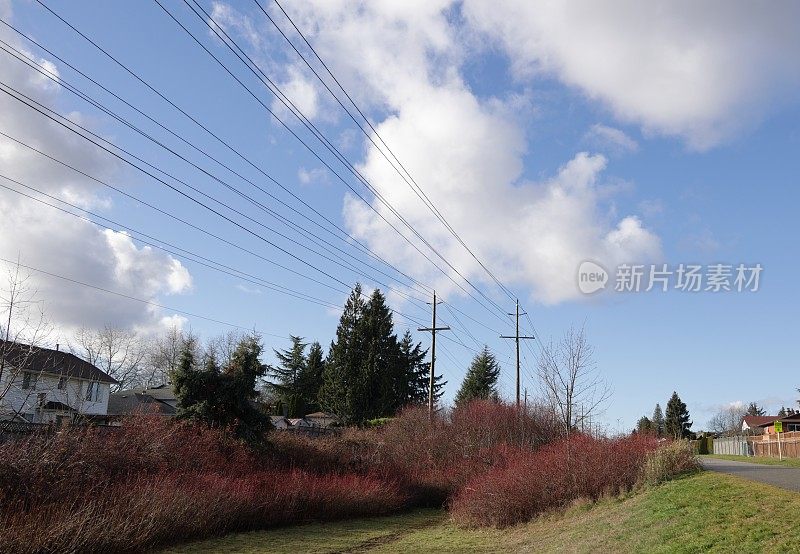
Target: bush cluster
column 155, row 482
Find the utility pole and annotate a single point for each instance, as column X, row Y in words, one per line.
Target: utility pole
column 433, row 329
column 517, row 338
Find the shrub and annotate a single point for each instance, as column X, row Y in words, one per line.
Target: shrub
column 551, row 478
column 672, row 459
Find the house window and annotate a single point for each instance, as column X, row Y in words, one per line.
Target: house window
column 93, row 392
column 28, row 380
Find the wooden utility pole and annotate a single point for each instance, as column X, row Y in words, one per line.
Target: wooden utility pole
column 433, row 329
column 517, row 338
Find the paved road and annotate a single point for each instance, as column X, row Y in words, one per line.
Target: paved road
column 778, row 476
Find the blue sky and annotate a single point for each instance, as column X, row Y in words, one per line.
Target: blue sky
column 546, row 138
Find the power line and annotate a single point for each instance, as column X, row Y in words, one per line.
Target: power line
column 350, row 239
column 3, row 88
column 133, row 298
column 169, row 248
column 412, row 183
column 340, row 262
column 264, row 79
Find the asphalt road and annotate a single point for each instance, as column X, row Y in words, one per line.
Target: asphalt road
column 784, row 477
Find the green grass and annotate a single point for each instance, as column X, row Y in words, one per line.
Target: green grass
column 699, row 513
column 787, row 462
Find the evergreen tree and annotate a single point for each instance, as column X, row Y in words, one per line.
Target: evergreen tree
column 290, row 378
column 782, row 412
column 413, row 386
column 658, row 421
column 381, row 371
column 222, row 397
column 481, row 379
column 342, row 366
column 644, row 426
column 312, row 377
column 754, row 410
column 677, row 422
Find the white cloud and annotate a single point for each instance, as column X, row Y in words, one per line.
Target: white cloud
column 404, row 59
column 610, row 139
column 312, row 176
column 697, row 70
column 59, row 243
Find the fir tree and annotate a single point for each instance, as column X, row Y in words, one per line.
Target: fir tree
column 677, row 422
column 414, row 384
column 290, row 376
column 312, row 377
column 782, row 412
column 342, row 366
column 645, row 426
column 481, row 379
column 658, row 421
column 380, row 371
column 754, row 410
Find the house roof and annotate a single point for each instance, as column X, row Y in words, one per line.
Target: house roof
column 759, row 421
column 793, row 417
column 126, row 402
column 47, row 360
column 164, row 393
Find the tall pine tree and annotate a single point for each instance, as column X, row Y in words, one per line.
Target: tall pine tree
column 312, row 377
column 290, row 378
column 341, row 376
column 677, row 422
column 481, row 379
column 658, row 421
column 414, row 384
column 380, row 370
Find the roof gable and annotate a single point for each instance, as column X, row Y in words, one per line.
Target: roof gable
column 55, row 362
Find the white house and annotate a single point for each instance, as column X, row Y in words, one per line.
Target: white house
column 42, row 385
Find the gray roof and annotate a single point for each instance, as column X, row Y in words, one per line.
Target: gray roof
column 165, row 393
column 56, row 362
column 126, row 402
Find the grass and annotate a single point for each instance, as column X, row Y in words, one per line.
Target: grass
column 699, row 513
column 786, row 462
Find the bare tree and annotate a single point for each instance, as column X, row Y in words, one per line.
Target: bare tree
column 223, row 346
column 23, row 328
column 119, row 352
column 164, row 352
column 728, row 420
column 571, row 383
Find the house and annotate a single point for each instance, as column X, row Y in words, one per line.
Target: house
column 126, row 403
column 279, row 422
column 44, row 385
column 299, row 423
column 766, row 424
column 159, row 400
column 322, row 419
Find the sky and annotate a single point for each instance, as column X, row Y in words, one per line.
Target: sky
column 621, row 133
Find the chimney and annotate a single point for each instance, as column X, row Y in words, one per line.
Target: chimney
column 57, row 347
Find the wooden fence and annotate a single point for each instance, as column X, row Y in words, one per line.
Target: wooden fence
column 771, row 446
column 732, row 446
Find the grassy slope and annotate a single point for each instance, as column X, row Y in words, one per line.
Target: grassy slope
column 704, row 512
column 787, row 462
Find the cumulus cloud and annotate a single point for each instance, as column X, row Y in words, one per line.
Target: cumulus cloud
column 698, row 70
column 64, row 245
column 467, row 153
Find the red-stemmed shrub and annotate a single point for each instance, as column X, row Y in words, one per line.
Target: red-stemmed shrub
column 550, row 478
